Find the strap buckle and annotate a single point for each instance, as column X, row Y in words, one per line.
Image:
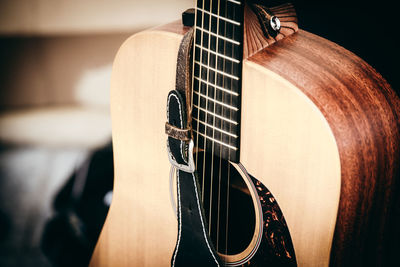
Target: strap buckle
column 186, row 168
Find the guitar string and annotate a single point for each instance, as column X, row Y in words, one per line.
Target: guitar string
column 205, row 126
column 198, row 88
column 220, row 152
column 229, row 151
column 190, row 112
column 198, row 116
column 213, row 144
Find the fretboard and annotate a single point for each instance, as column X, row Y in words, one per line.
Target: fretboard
column 217, row 71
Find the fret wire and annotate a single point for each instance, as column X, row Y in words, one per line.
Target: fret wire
column 218, row 71
column 216, row 128
column 216, row 86
column 219, row 36
column 216, row 101
column 218, row 54
column 217, row 141
column 235, row 2
column 215, row 115
column 220, row 17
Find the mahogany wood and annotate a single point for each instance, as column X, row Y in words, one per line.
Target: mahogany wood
column 254, row 38
column 363, row 113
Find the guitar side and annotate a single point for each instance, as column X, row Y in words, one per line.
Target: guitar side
column 308, row 156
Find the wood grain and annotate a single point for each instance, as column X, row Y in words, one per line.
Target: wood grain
column 141, row 226
column 326, row 144
column 363, row 113
column 255, row 40
column 287, row 145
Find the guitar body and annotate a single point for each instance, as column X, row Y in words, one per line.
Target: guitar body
column 319, row 129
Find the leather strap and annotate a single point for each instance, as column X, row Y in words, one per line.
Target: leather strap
column 193, row 247
column 184, row 72
column 175, row 132
column 178, row 105
column 177, row 122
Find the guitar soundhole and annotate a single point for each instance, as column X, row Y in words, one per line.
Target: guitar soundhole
column 228, row 204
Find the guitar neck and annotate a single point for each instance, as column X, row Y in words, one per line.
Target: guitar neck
column 217, row 73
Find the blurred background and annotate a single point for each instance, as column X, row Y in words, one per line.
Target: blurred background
column 55, row 65
column 55, row 130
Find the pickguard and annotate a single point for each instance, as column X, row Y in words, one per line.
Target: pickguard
column 276, row 248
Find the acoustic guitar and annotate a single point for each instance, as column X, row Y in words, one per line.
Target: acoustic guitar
column 294, row 140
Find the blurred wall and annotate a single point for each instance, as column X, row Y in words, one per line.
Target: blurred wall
column 55, row 65
column 60, row 51
column 56, row 70
column 85, row 16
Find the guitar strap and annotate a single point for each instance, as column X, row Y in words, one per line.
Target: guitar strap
column 194, row 247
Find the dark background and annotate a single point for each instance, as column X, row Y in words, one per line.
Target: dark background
column 368, row 29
